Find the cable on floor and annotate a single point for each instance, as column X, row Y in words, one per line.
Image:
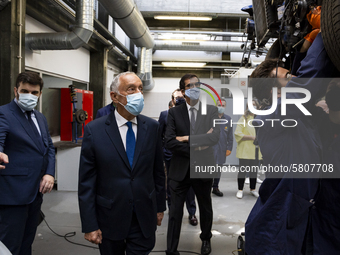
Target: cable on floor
column 72, row 234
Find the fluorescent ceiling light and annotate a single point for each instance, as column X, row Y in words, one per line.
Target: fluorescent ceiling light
column 183, row 64
column 201, row 18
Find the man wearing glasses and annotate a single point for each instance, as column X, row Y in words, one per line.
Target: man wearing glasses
column 190, row 137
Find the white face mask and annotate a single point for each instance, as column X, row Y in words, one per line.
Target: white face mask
column 135, row 103
column 27, row 101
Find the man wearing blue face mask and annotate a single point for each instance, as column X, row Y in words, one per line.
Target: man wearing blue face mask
column 28, row 157
column 190, row 137
column 121, row 178
column 177, row 99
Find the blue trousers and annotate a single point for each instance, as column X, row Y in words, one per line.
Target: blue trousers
column 18, row 225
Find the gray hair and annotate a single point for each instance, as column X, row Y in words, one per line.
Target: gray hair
column 116, row 83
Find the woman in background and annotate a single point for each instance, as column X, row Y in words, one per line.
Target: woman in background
column 245, row 136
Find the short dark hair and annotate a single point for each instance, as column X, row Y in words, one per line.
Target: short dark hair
column 171, row 104
column 172, row 95
column 184, row 78
column 265, row 69
column 30, row 78
column 261, row 89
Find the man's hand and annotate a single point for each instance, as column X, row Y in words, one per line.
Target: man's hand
column 182, row 139
column 46, row 183
column 94, row 237
column 3, row 159
column 228, row 152
column 160, row 216
column 323, row 105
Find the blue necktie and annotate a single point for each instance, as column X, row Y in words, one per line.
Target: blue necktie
column 130, row 143
column 35, row 130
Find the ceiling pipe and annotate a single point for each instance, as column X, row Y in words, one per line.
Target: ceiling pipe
column 216, row 46
column 231, row 34
column 129, row 18
column 75, row 39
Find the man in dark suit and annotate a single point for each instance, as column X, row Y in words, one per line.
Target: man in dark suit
column 121, row 177
column 190, row 198
column 190, row 137
column 28, row 157
column 106, row 110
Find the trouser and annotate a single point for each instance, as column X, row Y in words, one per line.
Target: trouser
column 217, row 178
column 18, row 225
column 190, row 198
column 134, row 244
column 252, row 174
column 179, row 190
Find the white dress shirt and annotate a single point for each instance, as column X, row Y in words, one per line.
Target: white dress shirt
column 123, row 128
column 34, row 119
column 196, row 106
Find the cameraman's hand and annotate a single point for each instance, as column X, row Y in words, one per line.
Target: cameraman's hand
column 314, row 16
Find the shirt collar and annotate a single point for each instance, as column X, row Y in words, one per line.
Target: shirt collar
column 122, row 121
column 16, row 101
column 196, row 106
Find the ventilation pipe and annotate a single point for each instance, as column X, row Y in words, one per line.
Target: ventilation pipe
column 80, row 35
column 144, row 68
column 129, row 18
column 216, row 46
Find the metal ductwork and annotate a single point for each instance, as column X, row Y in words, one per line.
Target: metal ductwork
column 144, row 68
column 221, row 46
column 80, row 35
column 129, row 18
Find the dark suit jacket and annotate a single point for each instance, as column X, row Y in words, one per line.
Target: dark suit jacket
column 109, row 189
column 20, row 180
column 185, row 156
column 106, row 110
column 163, row 117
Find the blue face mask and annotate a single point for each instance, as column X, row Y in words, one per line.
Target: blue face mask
column 193, row 94
column 180, row 101
column 220, row 109
column 135, row 103
column 27, row 101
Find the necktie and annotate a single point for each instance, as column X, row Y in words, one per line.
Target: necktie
column 37, row 136
column 130, row 143
column 192, row 119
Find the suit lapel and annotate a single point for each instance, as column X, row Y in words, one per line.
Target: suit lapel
column 42, row 130
column 114, row 134
column 142, row 128
column 20, row 116
column 185, row 117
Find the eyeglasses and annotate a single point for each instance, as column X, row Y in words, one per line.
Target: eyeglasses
column 192, row 85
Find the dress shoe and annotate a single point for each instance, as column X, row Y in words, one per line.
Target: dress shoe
column 217, row 192
column 193, row 220
column 206, row 247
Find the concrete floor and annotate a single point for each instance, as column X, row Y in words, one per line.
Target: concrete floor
column 62, row 214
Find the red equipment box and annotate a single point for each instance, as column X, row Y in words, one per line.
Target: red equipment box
column 75, row 113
